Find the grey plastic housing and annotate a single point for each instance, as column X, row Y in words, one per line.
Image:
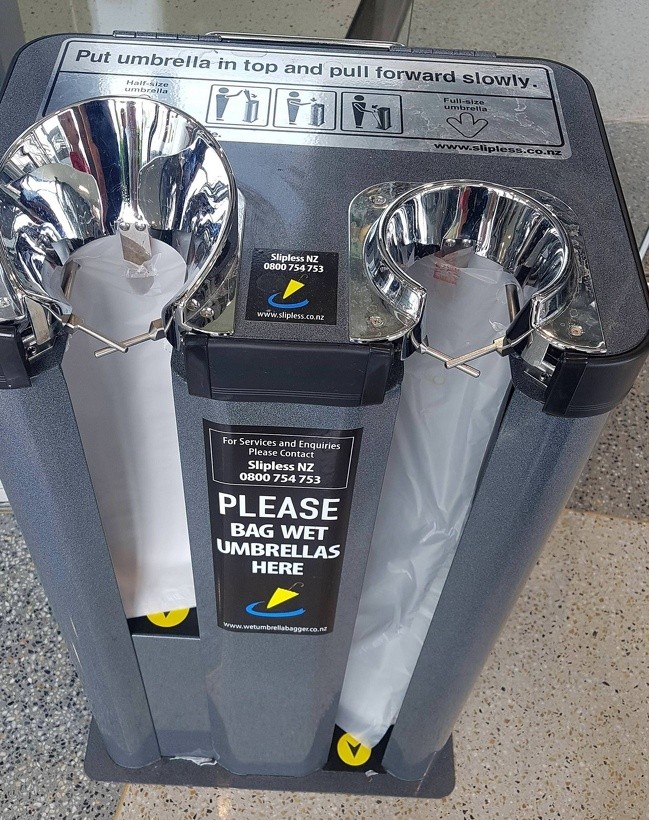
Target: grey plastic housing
column 45, row 475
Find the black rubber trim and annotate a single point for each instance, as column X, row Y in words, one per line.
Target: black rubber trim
column 257, row 370
column 583, row 386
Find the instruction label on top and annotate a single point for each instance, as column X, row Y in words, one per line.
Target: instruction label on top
column 299, row 96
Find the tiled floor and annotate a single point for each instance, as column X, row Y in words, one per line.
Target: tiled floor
column 557, row 724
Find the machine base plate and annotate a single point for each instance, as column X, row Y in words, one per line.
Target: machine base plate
column 439, row 781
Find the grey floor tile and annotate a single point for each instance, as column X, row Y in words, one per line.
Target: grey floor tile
column 556, row 727
column 44, row 716
column 605, row 41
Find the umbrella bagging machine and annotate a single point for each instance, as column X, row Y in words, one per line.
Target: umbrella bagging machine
column 303, row 347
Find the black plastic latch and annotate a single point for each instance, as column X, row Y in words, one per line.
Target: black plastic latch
column 156, row 35
column 417, row 51
column 13, row 361
column 252, row 370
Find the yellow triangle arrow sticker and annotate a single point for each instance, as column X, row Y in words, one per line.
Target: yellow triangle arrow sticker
column 292, row 286
column 279, row 596
column 168, row 619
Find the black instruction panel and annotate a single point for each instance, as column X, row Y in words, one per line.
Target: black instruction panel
column 280, row 500
column 293, row 286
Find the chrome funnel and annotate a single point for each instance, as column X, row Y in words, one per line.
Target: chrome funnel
column 130, row 167
column 528, row 237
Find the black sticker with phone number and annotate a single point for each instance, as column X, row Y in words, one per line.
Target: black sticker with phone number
column 280, row 501
column 293, row 286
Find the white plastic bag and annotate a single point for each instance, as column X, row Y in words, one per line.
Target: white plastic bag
column 442, row 430
column 123, row 404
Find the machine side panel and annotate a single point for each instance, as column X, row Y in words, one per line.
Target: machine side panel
column 273, row 697
column 532, row 469
column 45, row 475
column 172, row 672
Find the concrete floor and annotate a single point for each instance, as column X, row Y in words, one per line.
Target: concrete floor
column 557, row 724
